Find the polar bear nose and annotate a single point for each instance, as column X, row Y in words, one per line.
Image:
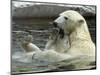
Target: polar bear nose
column 55, row 24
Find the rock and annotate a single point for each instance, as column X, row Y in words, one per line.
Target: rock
column 37, row 9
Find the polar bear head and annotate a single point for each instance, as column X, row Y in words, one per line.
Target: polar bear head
column 69, row 20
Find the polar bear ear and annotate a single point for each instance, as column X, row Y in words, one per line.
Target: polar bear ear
column 81, row 21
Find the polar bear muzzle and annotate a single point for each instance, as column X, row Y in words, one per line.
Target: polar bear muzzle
column 61, row 31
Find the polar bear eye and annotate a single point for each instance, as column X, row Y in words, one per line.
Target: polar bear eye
column 66, row 18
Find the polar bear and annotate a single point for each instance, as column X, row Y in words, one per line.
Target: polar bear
column 74, row 25
column 70, row 39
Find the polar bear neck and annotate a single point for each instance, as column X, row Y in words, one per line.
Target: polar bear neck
column 80, row 33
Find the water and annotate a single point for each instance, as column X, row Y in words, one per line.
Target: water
column 39, row 29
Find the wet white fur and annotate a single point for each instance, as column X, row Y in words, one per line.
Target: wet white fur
column 76, row 27
column 79, row 36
